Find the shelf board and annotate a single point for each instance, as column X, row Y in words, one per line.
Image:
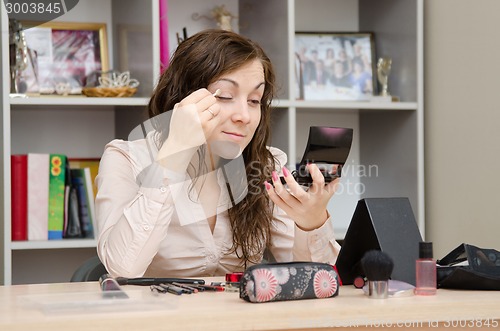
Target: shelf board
column 54, row 244
column 279, row 103
column 346, row 104
column 78, row 101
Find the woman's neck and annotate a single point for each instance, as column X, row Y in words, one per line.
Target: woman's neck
column 212, row 159
column 209, row 159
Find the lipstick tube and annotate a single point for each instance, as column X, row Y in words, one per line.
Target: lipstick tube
column 233, row 281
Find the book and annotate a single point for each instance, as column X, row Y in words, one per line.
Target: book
column 67, row 189
column 38, row 196
column 19, row 196
column 78, row 178
column 91, row 200
column 72, row 227
column 91, row 163
column 56, row 196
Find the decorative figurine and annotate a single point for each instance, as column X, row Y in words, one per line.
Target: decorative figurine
column 18, row 53
column 383, row 70
column 221, row 15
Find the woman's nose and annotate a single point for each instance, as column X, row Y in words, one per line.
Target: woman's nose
column 241, row 112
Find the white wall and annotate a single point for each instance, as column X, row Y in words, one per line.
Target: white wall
column 462, row 117
column 180, row 15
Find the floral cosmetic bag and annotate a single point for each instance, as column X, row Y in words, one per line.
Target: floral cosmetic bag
column 289, row 281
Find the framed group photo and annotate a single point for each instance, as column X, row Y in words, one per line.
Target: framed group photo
column 335, row 66
column 62, row 55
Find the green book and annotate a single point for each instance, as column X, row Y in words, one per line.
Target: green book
column 57, row 168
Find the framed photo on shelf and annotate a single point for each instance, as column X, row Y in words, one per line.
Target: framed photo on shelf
column 335, row 66
column 63, row 55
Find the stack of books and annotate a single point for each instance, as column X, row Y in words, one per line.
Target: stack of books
column 52, row 197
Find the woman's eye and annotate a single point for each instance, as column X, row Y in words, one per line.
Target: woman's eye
column 223, row 98
column 254, row 102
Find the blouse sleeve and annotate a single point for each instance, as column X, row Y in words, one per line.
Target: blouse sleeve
column 290, row 243
column 132, row 218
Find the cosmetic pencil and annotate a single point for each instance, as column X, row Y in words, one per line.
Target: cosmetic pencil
column 209, row 287
column 196, row 286
column 172, row 289
column 194, row 290
column 164, row 289
column 157, row 289
column 181, row 288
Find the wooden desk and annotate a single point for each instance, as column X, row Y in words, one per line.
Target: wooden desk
column 226, row 311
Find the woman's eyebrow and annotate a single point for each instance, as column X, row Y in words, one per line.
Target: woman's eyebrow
column 235, row 83
column 229, row 81
column 259, row 85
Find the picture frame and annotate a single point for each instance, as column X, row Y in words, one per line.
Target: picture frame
column 335, row 66
column 62, row 55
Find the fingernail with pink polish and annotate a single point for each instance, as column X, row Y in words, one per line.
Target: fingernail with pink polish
column 267, row 185
column 275, row 176
column 285, row 172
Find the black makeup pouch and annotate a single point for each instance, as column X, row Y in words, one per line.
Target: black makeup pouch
column 288, row 281
column 468, row 267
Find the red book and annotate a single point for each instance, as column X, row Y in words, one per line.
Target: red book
column 19, row 194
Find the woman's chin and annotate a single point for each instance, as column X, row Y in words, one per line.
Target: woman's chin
column 225, row 149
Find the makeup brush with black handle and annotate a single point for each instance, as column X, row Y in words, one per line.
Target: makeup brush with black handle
column 377, row 266
column 146, row 281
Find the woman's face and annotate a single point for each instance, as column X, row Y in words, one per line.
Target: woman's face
column 358, row 67
column 239, row 99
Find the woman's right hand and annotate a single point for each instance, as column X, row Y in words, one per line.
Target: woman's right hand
column 193, row 121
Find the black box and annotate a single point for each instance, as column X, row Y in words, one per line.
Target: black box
column 385, row 224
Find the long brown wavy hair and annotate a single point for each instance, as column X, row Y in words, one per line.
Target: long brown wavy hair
column 197, row 62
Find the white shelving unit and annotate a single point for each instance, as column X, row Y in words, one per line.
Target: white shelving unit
column 388, row 136
column 62, row 244
column 78, row 101
column 386, row 158
column 75, row 126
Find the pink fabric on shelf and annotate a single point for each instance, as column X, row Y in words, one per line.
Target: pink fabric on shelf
column 164, row 53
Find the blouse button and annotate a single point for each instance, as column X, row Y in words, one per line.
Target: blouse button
column 163, row 189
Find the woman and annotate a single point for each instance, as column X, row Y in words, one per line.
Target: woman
column 179, row 215
column 360, row 79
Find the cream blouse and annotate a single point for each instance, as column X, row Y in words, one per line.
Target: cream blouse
column 148, row 227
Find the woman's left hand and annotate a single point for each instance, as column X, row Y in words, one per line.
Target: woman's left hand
column 306, row 208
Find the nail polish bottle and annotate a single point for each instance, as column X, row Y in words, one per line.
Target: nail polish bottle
column 425, row 270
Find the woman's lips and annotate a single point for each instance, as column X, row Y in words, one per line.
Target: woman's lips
column 234, row 135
